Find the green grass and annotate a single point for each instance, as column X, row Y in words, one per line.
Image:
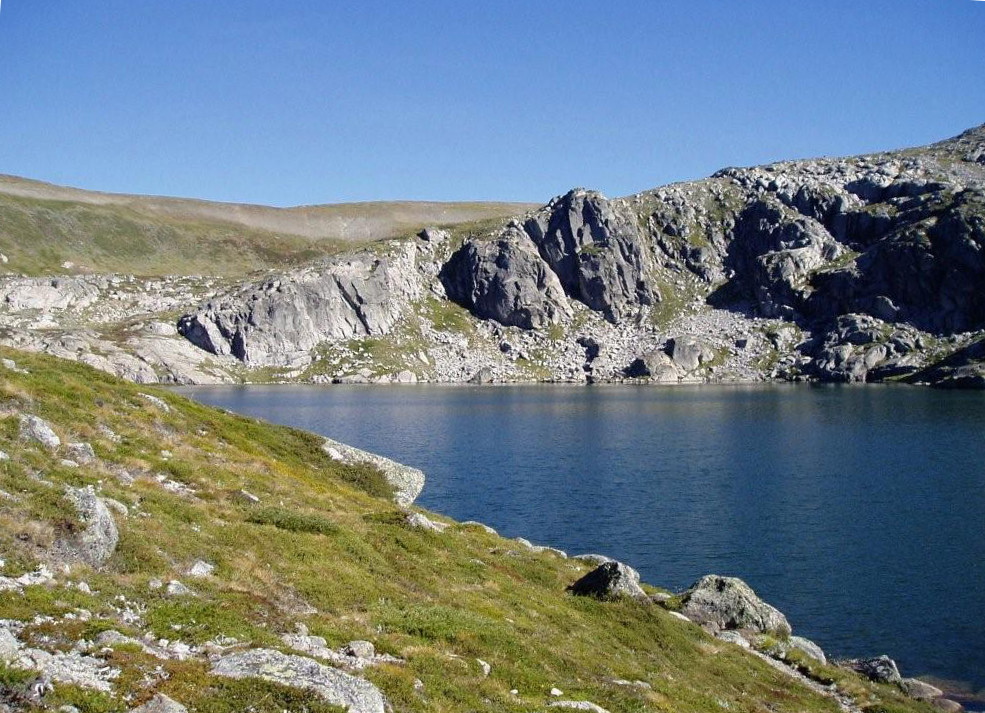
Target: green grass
column 324, row 537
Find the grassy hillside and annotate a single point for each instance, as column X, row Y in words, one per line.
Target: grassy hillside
column 43, row 226
column 321, row 544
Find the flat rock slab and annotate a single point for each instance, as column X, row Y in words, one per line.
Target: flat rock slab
column 407, row 482
column 336, row 687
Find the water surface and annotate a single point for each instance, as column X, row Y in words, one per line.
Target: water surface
column 857, row 511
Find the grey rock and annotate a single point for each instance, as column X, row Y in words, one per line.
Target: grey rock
column 482, row 376
column 655, row 365
column 36, row 429
column 9, row 645
column 360, row 649
column 594, row 247
column 880, row 669
column 422, row 522
column 177, row 589
column 406, row 481
column 80, row 453
column 733, row 637
column 279, row 321
column 506, row 280
column 336, row 687
column 612, row 579
column 808, row 647
column 915, row 688
column 689, row 352
column 729, row 603
column 200, row 568
column 578, row 706
column 597, row 559
column 946, row 705
column 160, row 704
column 97, row 541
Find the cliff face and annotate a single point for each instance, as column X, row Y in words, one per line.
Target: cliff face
column 853, row 269
column 877, row 262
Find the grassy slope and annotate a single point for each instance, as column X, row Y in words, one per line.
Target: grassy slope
column 43, row 226
column 324, row 534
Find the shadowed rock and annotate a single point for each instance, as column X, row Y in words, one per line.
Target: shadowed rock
column 612, row 579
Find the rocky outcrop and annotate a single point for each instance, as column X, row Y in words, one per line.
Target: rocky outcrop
column 608, row 580
column 280, row 321
column 730, row 603
column 506, row 280
column 354, row 694
column 594, row 246
column 407, row 482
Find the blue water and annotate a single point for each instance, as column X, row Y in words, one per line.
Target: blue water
column 857, row 511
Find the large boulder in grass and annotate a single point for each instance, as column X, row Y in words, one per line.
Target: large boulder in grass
column 609, row 580
column 355, row 694
column 730, row 603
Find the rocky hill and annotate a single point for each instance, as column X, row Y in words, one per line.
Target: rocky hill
column 868, row 268
column 161, row 556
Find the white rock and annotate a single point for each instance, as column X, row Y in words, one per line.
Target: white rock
column 420, row 522
column 37, row 429
column 201, row 568
column 557, row 692
column 486, row 668
column 177, row 589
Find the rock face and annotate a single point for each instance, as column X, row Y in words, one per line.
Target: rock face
column 279, row 322
column 407, row 482
column 506, row 280
column 594, row 247
column 611, row 579
column 729, row 603
column 337, row 688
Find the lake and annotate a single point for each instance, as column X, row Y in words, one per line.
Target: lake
column 857, row 511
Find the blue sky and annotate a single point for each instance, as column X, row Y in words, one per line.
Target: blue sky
column 299, row 101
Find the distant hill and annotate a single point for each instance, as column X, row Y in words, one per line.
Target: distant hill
column 43, row 226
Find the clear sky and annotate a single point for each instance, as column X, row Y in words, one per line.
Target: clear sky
column 290, row 102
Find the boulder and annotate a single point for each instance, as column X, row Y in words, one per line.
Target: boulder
column 360, row 649
column 915, row 688
column 880, row 669
column 612, row 579
column 578, row 706
column 336, row 687
column 505, row 280
column 422, row 522
column 730, row 603
column 97, row 541
column 655, row 365
column 407, row 482
column 33, row 428
column 689, row 352
column 81, row 453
